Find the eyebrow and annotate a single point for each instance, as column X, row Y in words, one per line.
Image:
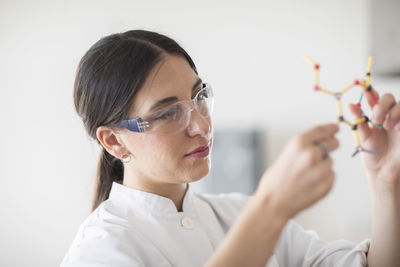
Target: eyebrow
column 173, row 98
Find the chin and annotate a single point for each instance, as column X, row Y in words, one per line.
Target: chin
column 199, row 170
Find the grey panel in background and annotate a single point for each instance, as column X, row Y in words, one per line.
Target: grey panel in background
column 237, row 162
column 384, row 22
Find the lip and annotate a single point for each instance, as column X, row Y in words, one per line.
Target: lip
column 199, row 152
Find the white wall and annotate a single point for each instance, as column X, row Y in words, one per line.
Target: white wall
column 252, row 53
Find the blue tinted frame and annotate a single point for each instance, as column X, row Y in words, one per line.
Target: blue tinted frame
column 135, row 125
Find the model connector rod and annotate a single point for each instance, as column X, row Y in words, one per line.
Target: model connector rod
column 366, row 88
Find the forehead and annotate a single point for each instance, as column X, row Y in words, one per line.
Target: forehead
column 173, row 76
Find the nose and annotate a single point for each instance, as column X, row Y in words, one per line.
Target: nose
column 198, row 125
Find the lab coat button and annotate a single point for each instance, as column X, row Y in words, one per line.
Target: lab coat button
column 187, row 223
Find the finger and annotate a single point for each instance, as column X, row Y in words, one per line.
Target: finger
column 327, row 182
column 363, row 128
column 319, row 171
column 331, row 143
column 397, row 126
column 320, row 184
column 355, row 111
column 311, row 156
column 380, row 110
column 372, row 99
column 319, row 132
column 392, row 117
column 315, row 154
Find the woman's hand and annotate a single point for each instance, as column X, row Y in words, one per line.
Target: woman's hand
column 385, row 166
column 300, row 176
column 383, row 172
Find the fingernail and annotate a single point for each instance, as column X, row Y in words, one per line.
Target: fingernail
column 388, row 123
column 378, row 118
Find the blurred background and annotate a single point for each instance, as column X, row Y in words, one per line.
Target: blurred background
column 252, row 54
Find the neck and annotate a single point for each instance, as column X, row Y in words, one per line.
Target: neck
column 175, row 192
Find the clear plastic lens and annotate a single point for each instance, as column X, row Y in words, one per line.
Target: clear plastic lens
column 167, row 113
column 175, row 117
column 167, row 119
column 204, row 101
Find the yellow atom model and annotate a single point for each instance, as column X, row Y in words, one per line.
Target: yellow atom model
column 366, row 88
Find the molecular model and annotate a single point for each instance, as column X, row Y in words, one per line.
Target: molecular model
column 366, row 88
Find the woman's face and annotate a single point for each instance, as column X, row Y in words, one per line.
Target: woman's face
column 163, row 158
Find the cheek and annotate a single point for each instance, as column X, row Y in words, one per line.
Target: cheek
column 162, row 150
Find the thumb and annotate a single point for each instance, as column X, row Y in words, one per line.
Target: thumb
column 363, row 128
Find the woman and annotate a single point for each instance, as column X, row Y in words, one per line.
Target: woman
column 139, row 95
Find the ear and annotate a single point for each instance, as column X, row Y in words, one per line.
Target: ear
column 110, row 141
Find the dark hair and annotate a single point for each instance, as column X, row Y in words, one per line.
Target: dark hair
column 108, row 78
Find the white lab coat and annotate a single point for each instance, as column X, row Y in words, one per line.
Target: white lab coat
column 136, row 228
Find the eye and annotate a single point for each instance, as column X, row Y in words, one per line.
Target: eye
column 203, row 94
column 195, row 92
column 165, row 114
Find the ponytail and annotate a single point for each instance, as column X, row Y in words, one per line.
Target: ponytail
column 109, row 170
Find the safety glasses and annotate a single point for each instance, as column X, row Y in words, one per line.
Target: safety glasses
column 175, row 117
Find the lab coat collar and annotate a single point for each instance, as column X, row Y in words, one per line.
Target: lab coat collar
column 148, row 201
